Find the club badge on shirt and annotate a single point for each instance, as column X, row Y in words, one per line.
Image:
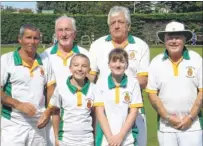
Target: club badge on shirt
column 131, row 54
column 190, row 72
column 127, row 97
column 89, row 103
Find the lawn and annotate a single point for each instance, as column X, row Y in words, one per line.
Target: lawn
column 151, row 115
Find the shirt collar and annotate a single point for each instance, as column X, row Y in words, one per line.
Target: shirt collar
column 112, row 85
column 18, row 59
column 131, row 40
column 185, row 54
column 74, row 89
column 54, row 50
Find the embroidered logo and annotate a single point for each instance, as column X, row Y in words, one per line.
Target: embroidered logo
column 89, row 103
column 190, row 72
column 132, row 55
column 127, row 96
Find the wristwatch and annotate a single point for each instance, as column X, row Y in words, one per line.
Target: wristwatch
column 191, row 118
column 167, row 118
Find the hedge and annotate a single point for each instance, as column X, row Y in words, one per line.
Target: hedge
column 143, row 25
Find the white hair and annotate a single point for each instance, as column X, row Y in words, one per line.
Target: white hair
column 119, row 9
column 68, row 18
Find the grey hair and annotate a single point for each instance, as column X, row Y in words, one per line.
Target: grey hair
column 68, row 18
column 119, row 9
column 175, row 33
column 27, row 26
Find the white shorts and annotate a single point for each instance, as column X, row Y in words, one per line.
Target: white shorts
column 191, row 138
column 13, row 134
column 142, row 129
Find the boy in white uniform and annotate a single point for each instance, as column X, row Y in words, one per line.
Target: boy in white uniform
column 117, row 100
column 75, row 98
column 24, row 74
column 175, row 89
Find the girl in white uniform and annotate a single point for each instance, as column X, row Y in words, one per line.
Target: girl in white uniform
column 117, row 100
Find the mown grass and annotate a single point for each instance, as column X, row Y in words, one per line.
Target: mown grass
column 150, row 113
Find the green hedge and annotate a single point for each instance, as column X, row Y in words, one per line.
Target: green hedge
column 143, row 25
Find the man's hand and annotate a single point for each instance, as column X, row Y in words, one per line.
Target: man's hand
column 27, row 108
column 44, row 118
column 174, row 121
column 185, row 123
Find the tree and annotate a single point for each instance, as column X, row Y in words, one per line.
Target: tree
column 9, row 9
column 180, row 6
column 46, row 5
column 82, row 7
column 143, row 7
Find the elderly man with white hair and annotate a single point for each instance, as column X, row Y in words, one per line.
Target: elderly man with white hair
column 175, row 89
column 119, row 22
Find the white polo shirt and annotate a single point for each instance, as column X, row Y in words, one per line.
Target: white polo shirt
column 116, row 101
column 75, row 109
column 177, row 86
column 61, row 65
column 136, row 48
column 25, row 83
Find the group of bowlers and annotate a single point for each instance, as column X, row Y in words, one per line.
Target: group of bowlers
column 68, row 96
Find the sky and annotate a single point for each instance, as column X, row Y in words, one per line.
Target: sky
column 21, row 5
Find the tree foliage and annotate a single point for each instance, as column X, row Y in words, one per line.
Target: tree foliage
column 143, row 7
column 82, row 7
column 180, row 6
column 103, row 7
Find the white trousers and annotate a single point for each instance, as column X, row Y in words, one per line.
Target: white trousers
column 50, row 134
column 142, row 129
column 192, row 138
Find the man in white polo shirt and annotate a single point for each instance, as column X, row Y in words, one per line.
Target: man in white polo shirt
column 61, row 53
column 24, row 75
column 119, row 22
column 175, row 89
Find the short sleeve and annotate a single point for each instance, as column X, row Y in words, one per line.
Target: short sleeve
column 98, row 95
column 56, row 99
column 199, row 74
column 4, row 69
column 93, row 59
column 136, row 101
column 49, row 74
column 144, row 61
column 152, row 86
